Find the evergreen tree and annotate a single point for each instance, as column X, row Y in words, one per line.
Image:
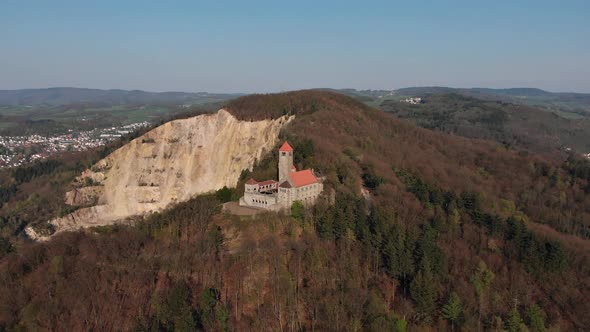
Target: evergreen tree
column 184, row 320
column 173, row 310
column 400, row 325
column 497, row 324
column 424, row 293
column 207, row 301
column 454, row 219
column 406, row 257
column 533, row 256
column 325, row 224
column 5, row 246
column 216, row 238
column 452, row 310
column 361, row 226
column 339, row 225
column 180, row 309
column 297, row 210
column 222, row 317
column 482, row 280
column 514, row 322
column 536, row 318
column 391, row 256
column 555, row 260
column 226, row 194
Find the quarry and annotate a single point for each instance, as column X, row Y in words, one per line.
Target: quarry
column 169, row 164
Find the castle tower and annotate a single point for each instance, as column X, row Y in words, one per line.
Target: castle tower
column 285, row 161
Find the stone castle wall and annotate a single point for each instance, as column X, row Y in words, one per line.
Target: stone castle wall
column 265, row 201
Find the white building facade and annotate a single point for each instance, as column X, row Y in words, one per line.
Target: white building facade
column 293, row 185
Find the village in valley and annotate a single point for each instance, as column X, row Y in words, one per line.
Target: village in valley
column 19, row 150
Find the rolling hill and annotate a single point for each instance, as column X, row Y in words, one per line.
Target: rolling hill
column 418, row 229
column 564, row 104
column 511, row 124
column 60, row 110
column 572, row 105
column 65, row 95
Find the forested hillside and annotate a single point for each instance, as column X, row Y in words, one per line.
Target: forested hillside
column 510, row 124
column 455, row 234
column 574, row 105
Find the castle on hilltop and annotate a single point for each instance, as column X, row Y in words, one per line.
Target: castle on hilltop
column 293, row 185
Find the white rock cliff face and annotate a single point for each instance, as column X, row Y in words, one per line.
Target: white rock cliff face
column 169, row 164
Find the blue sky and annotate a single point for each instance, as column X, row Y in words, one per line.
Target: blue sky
column 265, row 46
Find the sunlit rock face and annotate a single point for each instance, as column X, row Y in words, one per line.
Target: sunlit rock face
column 169, row 164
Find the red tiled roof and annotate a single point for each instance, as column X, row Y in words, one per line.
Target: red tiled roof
column 264, row 183
column 286, row 147
column 303, row 178
column 251, row 181
column 293, row 167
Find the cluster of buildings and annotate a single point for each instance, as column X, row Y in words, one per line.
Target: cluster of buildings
column 292, row 185
column 412, row 100
column 584, row 155
column 18, row 150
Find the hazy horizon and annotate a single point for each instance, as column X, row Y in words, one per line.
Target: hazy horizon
column 310, row 88
column 269, row 47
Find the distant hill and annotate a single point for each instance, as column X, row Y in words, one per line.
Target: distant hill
column 63, row 96
column 511, row 124
column 514, row 92
column 564, row 103
column 517, row 92
column 522, row 92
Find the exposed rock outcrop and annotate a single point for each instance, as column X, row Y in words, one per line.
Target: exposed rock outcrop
column 84, row 196
column 169, row 164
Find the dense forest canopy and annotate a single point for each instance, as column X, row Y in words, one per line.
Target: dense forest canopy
column 451, row 233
